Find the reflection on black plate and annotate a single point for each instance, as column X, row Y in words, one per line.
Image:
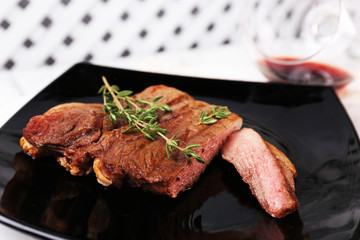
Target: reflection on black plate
column 307, row 123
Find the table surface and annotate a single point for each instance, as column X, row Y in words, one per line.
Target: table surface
column 22, row 85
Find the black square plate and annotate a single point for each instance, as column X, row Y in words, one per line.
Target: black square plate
column 308, row 123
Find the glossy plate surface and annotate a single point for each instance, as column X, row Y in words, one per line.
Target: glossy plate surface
column 308, row 123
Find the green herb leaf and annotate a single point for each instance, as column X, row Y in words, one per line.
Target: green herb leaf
column 113, row 118
column 124, row 93
column 209, row 121
column 101, row 90
column 156, row 99
column 217, row 112
column 115, row 88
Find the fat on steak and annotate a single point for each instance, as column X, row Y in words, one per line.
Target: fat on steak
column 267, row 171
column 83, row 139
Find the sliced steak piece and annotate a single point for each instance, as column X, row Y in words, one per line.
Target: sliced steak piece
column 64, row 131
column 287, row 168
column 269, row 173
column 143, row 163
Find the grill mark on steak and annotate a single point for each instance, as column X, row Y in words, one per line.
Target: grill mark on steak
column 170, row 96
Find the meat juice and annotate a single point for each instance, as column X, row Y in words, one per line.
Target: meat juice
column 308, row 73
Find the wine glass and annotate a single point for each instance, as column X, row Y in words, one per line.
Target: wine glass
column 300, row 41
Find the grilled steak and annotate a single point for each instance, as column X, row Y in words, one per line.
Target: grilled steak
column 80, row 135
column 269, row 173
column 143, row 163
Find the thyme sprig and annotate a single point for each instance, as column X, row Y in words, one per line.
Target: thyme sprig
column 217, row 112
column 138, row 118
column 141, row 116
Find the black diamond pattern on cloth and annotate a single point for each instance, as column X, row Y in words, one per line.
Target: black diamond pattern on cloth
column 4, row 24
column 46, row 22
column 65, row 31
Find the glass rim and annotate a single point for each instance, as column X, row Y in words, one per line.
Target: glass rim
column 296, row 60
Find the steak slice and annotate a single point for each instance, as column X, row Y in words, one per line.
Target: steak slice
column 65, row 131
column 140, row 162
column 269, row 173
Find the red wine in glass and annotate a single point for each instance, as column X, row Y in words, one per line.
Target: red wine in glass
column 291, row 70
